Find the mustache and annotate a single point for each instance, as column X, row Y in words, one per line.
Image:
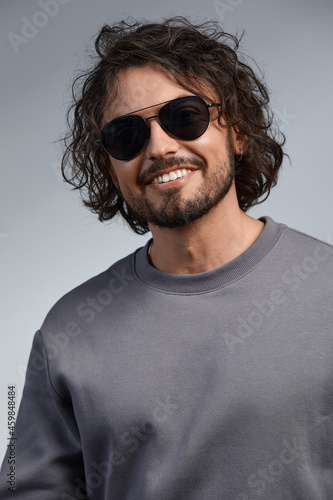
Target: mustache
column 173, row 161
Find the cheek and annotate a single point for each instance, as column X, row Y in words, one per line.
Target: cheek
column 215, row 138
column 211, row 148
column 126, row 173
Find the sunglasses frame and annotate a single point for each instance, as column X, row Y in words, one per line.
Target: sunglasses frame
column 145, row 120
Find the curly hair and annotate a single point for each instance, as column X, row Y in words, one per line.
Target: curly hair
column 192, row 54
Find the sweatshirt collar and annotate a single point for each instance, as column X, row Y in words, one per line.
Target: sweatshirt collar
column 211, row 280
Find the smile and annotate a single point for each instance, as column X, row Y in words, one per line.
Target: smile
column 172, row 176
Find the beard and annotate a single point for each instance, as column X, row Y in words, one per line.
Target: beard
column 176, row 210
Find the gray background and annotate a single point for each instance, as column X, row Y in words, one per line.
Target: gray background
column 49, row 243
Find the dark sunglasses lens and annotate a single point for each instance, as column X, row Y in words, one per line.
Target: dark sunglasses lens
column 186, row 118
column 124, row 137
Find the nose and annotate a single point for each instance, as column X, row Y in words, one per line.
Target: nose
column 160, row 143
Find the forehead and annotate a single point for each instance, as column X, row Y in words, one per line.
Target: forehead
column 143, row 86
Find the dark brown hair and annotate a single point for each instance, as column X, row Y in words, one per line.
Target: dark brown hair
column 192, row 54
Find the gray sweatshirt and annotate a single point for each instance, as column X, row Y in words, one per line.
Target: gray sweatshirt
column 144, row 385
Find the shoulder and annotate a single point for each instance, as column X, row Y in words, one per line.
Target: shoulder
column 305, row 246
column 303, row 262
column 297, row 258
column 92, row 296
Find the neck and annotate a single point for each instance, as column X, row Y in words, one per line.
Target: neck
column 206, row 244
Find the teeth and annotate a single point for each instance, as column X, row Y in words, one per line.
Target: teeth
column 172, row 176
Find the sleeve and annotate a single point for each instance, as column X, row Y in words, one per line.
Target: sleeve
column 48, row 463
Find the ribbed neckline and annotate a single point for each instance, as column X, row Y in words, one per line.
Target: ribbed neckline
column 211, row 280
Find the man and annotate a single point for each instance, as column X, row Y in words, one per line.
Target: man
column 200, row 366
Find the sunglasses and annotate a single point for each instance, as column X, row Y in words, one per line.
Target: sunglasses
column 185, row 118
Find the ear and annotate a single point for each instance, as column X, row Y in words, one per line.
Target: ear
column 113, row 176
column 106, row 160
column 240, row 142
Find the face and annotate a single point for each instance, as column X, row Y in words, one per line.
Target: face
column 198, row 173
